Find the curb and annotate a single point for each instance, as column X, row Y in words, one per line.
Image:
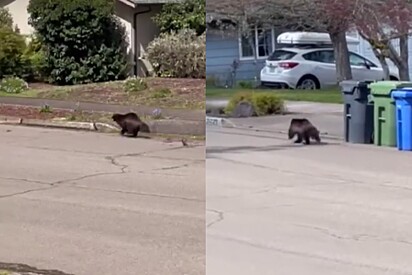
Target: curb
column 176, row 127
column 220, row 122
column 180, row 114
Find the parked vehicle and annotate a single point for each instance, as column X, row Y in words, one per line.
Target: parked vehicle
column 309, row 63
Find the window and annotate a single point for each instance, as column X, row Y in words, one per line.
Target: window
column 357, row 60
column 324, row 56
column 281, row 55
column 261, row 40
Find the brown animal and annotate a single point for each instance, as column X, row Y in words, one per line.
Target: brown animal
column 130, row 124
column 304, row 129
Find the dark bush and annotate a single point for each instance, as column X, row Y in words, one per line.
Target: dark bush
column 263, row 103
column 180, row 55
column 84, row 42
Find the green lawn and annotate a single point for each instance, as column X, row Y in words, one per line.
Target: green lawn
column 332, row 95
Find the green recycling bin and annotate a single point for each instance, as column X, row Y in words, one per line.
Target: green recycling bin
column 384, row 111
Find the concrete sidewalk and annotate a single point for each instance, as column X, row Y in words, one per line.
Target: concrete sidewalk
column 182, row 114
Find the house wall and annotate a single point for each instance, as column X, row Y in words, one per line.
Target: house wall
column 18, row 9
column 223, row 49
column 125, row 15
column 146, row 31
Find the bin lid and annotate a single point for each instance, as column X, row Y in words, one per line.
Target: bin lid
column 386, row 87
column 348, row 86
column 402, row 93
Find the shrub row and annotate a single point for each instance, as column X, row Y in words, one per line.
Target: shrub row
column 96, row 52
column 263, row 103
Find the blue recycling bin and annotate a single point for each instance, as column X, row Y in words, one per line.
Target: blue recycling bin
column 403, row 106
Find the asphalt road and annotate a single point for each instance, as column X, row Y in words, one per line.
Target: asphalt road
column 99, row 204
column 330, row 209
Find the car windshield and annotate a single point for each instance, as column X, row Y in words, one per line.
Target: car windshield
column 281, row 55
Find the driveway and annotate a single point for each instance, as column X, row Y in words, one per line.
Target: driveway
column 87, row 203
column 278, row 208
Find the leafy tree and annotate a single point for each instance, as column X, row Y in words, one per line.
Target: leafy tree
column 84, row 42
column 12, row 47
column 6, row 20
column 188, row 14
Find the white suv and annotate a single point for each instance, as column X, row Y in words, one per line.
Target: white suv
column 314, row 68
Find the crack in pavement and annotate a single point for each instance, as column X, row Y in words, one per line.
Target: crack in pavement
column 113, row 160
column 25, row 180
column 272, row 247
column 219, row 218
column 355, row 237
column 139, row 193
column 26, row 191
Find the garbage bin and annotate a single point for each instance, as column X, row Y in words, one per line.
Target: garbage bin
column 403, row 103
column 357, row 112
column 384, row 111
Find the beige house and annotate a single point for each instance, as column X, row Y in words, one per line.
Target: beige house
column 135, row 15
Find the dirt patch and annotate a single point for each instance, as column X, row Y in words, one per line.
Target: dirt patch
column 185, row 93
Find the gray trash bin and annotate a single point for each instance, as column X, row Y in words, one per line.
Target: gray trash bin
column 358, row 112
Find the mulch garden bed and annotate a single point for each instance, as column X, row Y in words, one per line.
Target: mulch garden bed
column 186, row 93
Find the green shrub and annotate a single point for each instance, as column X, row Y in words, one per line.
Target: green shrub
column 263, row 103
column 135, row 84
column 83, row 40
column 267, row 104
column 13, row 85
column 36, row 58
column 187, row 14
column 246, row 84
column 180, row 55
column 161, row 93
column 12, row 47
column 46, row 109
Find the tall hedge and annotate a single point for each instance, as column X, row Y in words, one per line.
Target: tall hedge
column 84, row 42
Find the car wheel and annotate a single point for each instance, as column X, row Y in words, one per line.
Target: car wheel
column 308, row 83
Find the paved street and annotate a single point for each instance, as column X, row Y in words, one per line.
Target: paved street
column 87, row 203
column 330, row 209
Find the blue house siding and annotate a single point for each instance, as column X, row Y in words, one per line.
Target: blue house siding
column 222, row 50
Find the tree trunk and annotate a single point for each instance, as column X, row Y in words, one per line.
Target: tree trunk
column 255, row 57
column 397, row 59
column 404, row 54
column 340, row 46
column 380, row 55
column 382, row 59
